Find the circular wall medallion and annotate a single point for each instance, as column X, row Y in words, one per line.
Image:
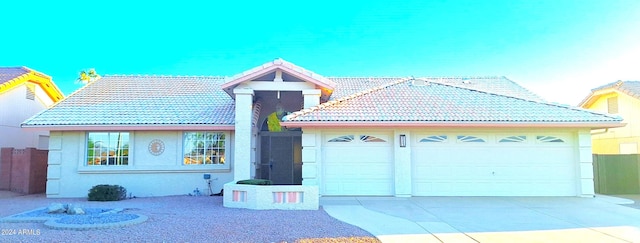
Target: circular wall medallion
column 156, row 147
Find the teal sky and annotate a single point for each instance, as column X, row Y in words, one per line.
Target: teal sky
column 558, row 49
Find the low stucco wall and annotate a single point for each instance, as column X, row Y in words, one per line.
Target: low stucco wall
column 286, row 197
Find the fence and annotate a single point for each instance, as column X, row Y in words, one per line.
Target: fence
column 616, row 173
column 23, row 170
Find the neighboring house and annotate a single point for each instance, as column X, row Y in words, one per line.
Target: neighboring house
column 23, row 93
column 23, row 156
column 391, row 136
column 618, row 98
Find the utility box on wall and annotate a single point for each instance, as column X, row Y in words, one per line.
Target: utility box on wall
column 23, row 170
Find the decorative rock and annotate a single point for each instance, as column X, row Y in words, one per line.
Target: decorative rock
column 75, row 210
column 56, row 208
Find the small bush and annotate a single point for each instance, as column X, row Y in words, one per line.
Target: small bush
column 107, row 193
column 255, row 182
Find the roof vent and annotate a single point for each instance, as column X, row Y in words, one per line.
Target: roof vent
column 466, row 81
column 419, row 82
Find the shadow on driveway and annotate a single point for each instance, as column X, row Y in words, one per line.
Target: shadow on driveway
column 634, row 197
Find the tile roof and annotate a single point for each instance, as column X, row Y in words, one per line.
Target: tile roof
column 441, row 102
column 143, row 100
column 496, row 85
column 165, row 100
column 9, row 73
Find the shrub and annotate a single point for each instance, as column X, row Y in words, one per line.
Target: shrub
column 107, row 193
column 255, row 182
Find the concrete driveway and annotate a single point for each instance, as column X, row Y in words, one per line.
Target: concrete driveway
column 490, row 219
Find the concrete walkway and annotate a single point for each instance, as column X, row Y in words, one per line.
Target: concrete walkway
column 490, row 219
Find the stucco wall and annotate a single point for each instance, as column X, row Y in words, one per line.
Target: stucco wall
column 16, row 109
column 146, row 175
column 609, row 142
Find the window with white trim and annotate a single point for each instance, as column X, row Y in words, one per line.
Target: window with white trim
column 107, row 148
column 342, row 139
column 549, row 139
column 513, row 139
column 470, row 139
column 371, row 139
column 434, row 139
column 204, row 148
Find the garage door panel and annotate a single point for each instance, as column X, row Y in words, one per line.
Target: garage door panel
column 362, row 166
column 359, row 171
column 355, row 188
column 531, row 168
column 349, row 154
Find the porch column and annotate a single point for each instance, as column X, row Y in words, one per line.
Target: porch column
column 311, row 97
column 242, row 146
column 587, row 188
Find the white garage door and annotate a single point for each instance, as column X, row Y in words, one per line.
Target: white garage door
column 357, row 164
column 493, row 165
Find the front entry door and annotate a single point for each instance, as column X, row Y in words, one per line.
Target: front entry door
column 281, row 157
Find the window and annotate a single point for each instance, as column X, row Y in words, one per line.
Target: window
column 434, row 139
column 549, row 139
column 204, row 148
column 612, row 105
column 371, row 139
column 513, row 139
column 470, row 139
column 108, row 148
column 342, row 139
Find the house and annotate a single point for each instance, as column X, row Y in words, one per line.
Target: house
column 378, row 136
column 23, row 93
column 617, row 98
column 23, row 157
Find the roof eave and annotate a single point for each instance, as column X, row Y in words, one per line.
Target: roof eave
column 595, row 95
column 592, row 125
column 43, row 80
column 143, row 127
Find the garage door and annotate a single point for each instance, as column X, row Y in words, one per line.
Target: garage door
column 493, row 165
column 357, row 164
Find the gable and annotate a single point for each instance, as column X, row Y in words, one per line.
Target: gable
column 41, row 85
column 629, row 88
column 280, row 75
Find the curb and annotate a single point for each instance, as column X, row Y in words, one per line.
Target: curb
column 51, row 222
column 55, row 225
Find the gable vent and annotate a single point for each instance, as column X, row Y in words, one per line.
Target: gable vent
column 31, row 94
column 612, row 105
column 419, row 82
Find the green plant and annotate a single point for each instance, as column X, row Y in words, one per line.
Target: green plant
column 107, row 193
column 255, row 182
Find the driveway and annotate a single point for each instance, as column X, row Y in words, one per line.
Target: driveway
column 490, row 219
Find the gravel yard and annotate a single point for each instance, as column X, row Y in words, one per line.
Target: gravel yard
column 182, row 219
